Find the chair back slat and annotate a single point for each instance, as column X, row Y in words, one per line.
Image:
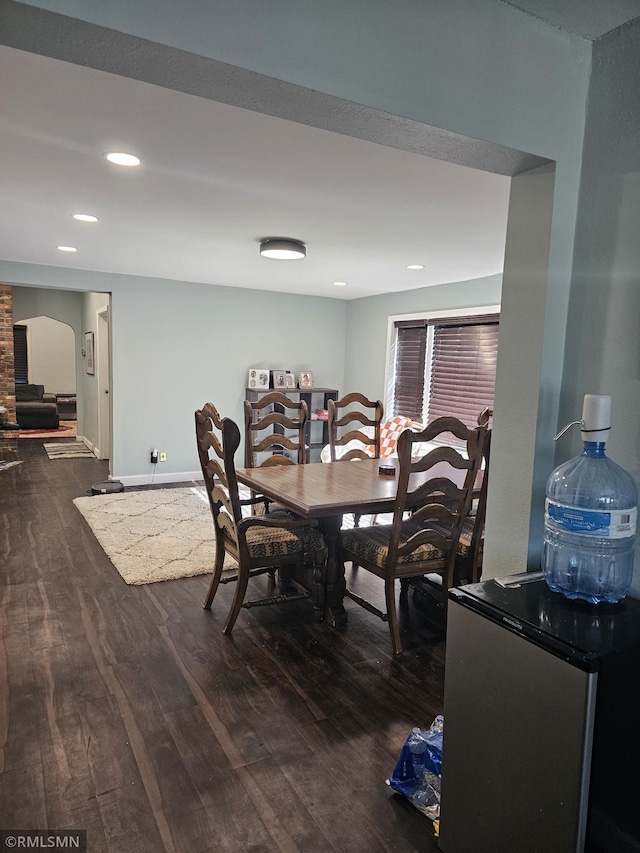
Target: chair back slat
column 279, row 418
column 275, row 441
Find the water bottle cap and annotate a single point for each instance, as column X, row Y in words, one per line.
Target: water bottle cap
column 596, row 417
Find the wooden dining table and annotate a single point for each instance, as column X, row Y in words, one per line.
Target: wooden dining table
column 327, row 491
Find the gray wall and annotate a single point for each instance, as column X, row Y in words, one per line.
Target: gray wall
column 492, row 72
column 368, row 319
column 176, row 345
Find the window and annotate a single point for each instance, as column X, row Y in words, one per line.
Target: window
column 444, row 366
column 20, row 355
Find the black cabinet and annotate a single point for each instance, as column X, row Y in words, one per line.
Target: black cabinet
column 541, row 746
column 317, row 400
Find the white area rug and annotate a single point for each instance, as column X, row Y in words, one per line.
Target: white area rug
column 67, row 450
column 154, row 535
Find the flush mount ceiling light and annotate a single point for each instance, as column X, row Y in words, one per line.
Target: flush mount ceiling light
column 120, row 158
column 66, row 248
column 85, row 217
column 282, row 250
column 339, row 283
column 415, row 266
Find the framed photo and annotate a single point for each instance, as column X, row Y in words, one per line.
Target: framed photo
column 279, row 379
column 305, row 379
column 258, row 378
column 289, row 380
column 88, row 348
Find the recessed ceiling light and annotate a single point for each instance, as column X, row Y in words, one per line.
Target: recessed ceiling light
column 339, row 283
column 66, row 248
column 415, row 266
column 282, row 249
column 120, row 158
column 85, row 217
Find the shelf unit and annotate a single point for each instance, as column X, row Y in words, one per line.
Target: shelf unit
column 317, row 432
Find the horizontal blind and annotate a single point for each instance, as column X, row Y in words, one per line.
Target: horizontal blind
column 463, row 369
column 411, row 346
column 21, row 362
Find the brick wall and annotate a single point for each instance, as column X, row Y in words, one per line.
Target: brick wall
column 7, row 385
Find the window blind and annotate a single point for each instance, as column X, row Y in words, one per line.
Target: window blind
column 410, row 357
column 20, row 356
column 463, row 368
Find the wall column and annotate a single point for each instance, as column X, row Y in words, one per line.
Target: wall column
column 7, row 384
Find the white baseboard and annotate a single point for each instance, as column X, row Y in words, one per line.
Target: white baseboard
column 158, row 479
column 88, row 444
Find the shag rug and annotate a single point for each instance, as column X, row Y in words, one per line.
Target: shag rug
column 67, row 429
column 67, row 450
column 154, row 535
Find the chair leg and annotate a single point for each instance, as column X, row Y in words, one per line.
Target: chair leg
column 392, row 614
column 215, row 580
column 238, row 598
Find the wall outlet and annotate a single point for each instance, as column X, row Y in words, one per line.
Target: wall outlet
column 163, row 456
column 154, row 457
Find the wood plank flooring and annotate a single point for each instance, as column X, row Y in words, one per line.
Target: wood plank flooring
column 126, row 712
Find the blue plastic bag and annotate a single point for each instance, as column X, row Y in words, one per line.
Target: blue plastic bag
column 417, row 773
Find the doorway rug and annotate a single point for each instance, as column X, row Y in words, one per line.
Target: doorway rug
column 67, row 429
column 67, row 450
column 154, row 535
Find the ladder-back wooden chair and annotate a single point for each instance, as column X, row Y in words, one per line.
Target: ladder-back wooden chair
column 410, row 546
column 274, row 425
column 259, row 544
column 471, row 544
column 274, row 434
column 348, row 419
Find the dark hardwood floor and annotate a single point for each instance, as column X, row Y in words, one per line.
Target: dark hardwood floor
column 126, row 712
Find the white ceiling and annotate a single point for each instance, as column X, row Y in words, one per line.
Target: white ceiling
column 216, row 179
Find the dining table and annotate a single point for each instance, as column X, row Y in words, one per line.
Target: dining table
column 325, row 491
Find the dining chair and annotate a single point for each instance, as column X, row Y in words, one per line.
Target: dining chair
column 354, row 424
column 354, row 418
column 274, row 425
column 409, row 546
column 274, row 434
column 258, row 544
column 471, row 543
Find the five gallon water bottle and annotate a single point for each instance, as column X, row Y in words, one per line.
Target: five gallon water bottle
column 590, row 517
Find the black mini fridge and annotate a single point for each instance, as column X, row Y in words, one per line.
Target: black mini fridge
column 541, row 750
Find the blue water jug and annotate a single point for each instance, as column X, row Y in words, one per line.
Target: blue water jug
column 590, row 517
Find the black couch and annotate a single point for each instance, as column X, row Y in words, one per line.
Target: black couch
column 35, row 409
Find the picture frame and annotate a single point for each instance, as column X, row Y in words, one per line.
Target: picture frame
column 279, row 379
column 258, row 378
column 289, row 380
column 305, row 379
column 89, row 350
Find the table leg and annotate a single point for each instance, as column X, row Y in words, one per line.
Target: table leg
column 335, row 585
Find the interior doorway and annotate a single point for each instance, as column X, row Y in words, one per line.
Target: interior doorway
column 103, row 365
